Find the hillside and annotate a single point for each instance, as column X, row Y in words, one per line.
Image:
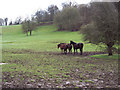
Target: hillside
column 45, row 38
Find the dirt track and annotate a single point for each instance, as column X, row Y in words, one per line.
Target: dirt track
column 54, row 53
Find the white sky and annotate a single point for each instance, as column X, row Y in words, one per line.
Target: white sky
column 25, row 8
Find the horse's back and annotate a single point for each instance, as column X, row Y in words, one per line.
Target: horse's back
column 63, row 45
column 80, row 45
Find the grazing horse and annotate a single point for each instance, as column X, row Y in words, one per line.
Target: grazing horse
column 65, row 46
column 77, row 46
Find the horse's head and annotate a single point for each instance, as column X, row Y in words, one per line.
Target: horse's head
column 58, row 45
column 71, row 42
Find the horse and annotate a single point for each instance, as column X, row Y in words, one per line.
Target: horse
column 69, row 47
column 77, row 46
column 65, row 46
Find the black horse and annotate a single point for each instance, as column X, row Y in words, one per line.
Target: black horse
column 77, row 46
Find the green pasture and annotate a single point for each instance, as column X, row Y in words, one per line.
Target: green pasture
column 35, row 58
column 45, row 38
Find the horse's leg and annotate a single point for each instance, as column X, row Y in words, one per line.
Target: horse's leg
column 61, row 51
column 74, row 50
column 80, row 51
column 65, row 51
column 70, row 51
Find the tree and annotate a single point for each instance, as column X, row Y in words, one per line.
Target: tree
column 69, row 4
column 39, row 16
column 58, row 20
column 52, row 9
column 85, row 14
column 43, row 16
column 18, row 21
column 64, row 5
column 68, row 19
column 10, row 23
column 46, row 16
column 28, row 26
column 104, row 26
column 1, row 22
column 6, row 20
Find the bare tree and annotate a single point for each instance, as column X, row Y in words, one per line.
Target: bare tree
column 52, row 9
column 10, row 23
column 1, row 22
column 6, row 20
column 18, row 21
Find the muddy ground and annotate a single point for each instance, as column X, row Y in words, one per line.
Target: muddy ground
column 101, row 74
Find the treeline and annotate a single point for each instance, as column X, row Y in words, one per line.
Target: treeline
column 41, row 17
column 44, row 16
column 3, row 21
column 71, row 17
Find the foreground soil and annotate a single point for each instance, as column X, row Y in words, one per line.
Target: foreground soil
column 56, row 70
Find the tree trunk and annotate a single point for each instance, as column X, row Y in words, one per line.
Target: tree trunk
column 30, row 33
column 109, row 45
column 27, row 33
column 6, row 23
column 110, row 51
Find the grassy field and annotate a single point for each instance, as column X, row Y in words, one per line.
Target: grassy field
column 35, row 61
column 45, row 38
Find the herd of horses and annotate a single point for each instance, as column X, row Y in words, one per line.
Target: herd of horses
column 68, row 46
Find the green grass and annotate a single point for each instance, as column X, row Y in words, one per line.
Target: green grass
column 45, row 38
column 105, row 56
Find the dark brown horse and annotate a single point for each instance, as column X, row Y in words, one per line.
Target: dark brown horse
column 69, row 47
column 65, row 46
column 77, row 46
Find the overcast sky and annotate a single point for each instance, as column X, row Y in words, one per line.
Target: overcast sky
column 25, row 8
